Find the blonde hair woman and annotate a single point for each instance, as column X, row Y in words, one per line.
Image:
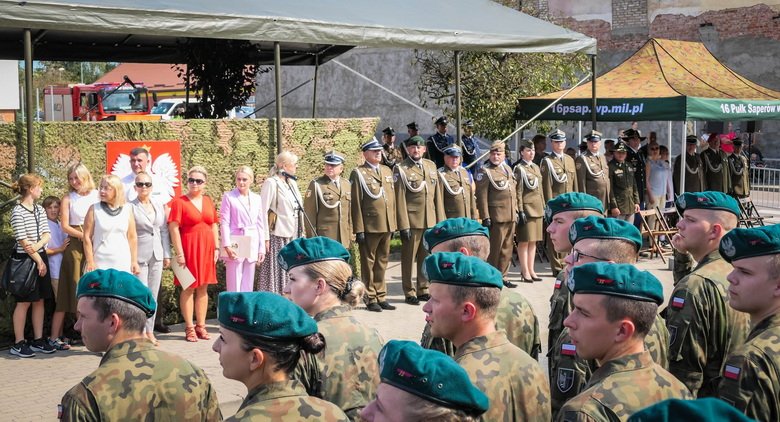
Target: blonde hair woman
column 281, row 201
column 192, row 224
column 322, row 284
column 110, row 240
column 73, row 210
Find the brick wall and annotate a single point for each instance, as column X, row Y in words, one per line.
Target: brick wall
column 629, row 14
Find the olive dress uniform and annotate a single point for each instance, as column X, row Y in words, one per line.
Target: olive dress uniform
column 624, row 194
column 328, row 205
column 716, row 172
column 419, row 205
column 593, row 176
column 529, row 201
column 373, row 214
column 694, row 174
column 559, row 175
column 740, row 179
column 497, row 200
column 391, row 155
column 458, row 194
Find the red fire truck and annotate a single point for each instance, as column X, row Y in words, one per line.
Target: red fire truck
column 95, row 102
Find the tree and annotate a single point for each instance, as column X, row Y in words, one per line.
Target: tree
column 222, row 74
column 491, row 83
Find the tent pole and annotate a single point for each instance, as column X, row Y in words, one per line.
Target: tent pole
column 593, row 92
column 579, row 134
column 683, row 160
column 186, row 92
column 457, row 99
column 28, row 100
column 278, row 83
column 671, row 151
column 314, row 97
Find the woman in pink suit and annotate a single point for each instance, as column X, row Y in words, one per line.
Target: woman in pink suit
column 241, row 215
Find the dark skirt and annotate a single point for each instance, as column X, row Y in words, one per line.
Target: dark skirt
column 530, row 231
column 43, row 289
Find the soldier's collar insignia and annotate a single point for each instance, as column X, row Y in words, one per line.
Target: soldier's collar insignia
column 728, row 247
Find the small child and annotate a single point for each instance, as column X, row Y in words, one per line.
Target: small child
column 57, row 244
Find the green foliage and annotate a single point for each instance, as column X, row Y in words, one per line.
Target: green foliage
column 219, row 145
column 491, row 83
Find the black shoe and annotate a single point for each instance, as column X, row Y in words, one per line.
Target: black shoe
column 525, row 280
column 162, row 328
column 41, row 345
column 509, row 284
column 387, row 306
column 22, row 349
column 424, row 298
column 374, row 307
column 536, row 278
column 412, row 300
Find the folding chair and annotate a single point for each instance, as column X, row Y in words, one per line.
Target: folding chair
column 749, row 216
column 659, row 228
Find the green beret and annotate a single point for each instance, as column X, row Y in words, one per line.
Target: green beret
column 265, row 315
column 452, row 228
column 593, row 227
column 415, row 140
column 430, row 375
column 572, row 201
column 699, row 410
column 709, row 200
column 461, row 270
column 118, row 285
column 304, row 251
column 748, row 243
column 623, row 280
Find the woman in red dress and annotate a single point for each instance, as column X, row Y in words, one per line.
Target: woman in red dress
column 194, row 234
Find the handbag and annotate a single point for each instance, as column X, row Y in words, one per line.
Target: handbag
column 271, row 213
column 20, row 275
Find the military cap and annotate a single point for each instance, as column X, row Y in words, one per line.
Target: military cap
column 691, row 139
column 748, row 243
column 333, row 158
column 622, row 280
column 265, row 315
column 388, row 131
column 620, row 147
column 594, row 135
column 415, row 140
column 458, row 269
column 593, row 227
column 371, row 145
column 302, row 251
column 526, row 143
column 572, row 201
column 430, row 375
column 118, row 285
column 708, row 200
column 736, row 141
column 631, row 133
column 700, row 410
column 413, row 126
column 498, row 145
column 468, row 123
column 453, row 150
column 441, row 121
column 452, row 228
column 557, row 135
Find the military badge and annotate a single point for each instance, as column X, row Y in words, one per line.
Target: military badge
column 568, row 349
column 727, row 246
column 570, row 281
column 579, row 165
column 547, row 213
column 731, row 372
column 308, row 193
column 565, row 379
column 572, row 233
column 678, row 302
column 681, row 201
column 479, row 177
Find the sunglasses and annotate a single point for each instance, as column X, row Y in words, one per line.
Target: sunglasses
column 143, row 184
column 196, row 181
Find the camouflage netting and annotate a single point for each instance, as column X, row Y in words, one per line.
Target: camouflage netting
column 218, row 145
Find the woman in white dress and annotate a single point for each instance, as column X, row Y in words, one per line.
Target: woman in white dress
column 109, row 230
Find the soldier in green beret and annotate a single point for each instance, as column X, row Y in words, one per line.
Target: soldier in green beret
column 614, row 308
column 515, row 314
column 560, row 213
column 421, row 385
column 700, row 410
column 702, row 327
column 465, row 293
column 598, row 239
column 134, row 381
column 321, row 283
column 750, row 378
column 419, row 205
column 262, row 338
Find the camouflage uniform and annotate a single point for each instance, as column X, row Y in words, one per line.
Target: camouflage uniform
column 559, row 310
column 348, row 366
column 702, row 326
column 136, row 381
column 751, row 376
column 286, row 401
column 569, row 373
column 511, row 379
column 622, row 387
column 515, row 316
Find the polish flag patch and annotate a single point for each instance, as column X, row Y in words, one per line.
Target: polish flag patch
column 568, row 349
column 731, row 372
column 678, row 302
column 557, row 283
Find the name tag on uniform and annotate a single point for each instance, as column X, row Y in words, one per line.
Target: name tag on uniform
column 618, row 172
